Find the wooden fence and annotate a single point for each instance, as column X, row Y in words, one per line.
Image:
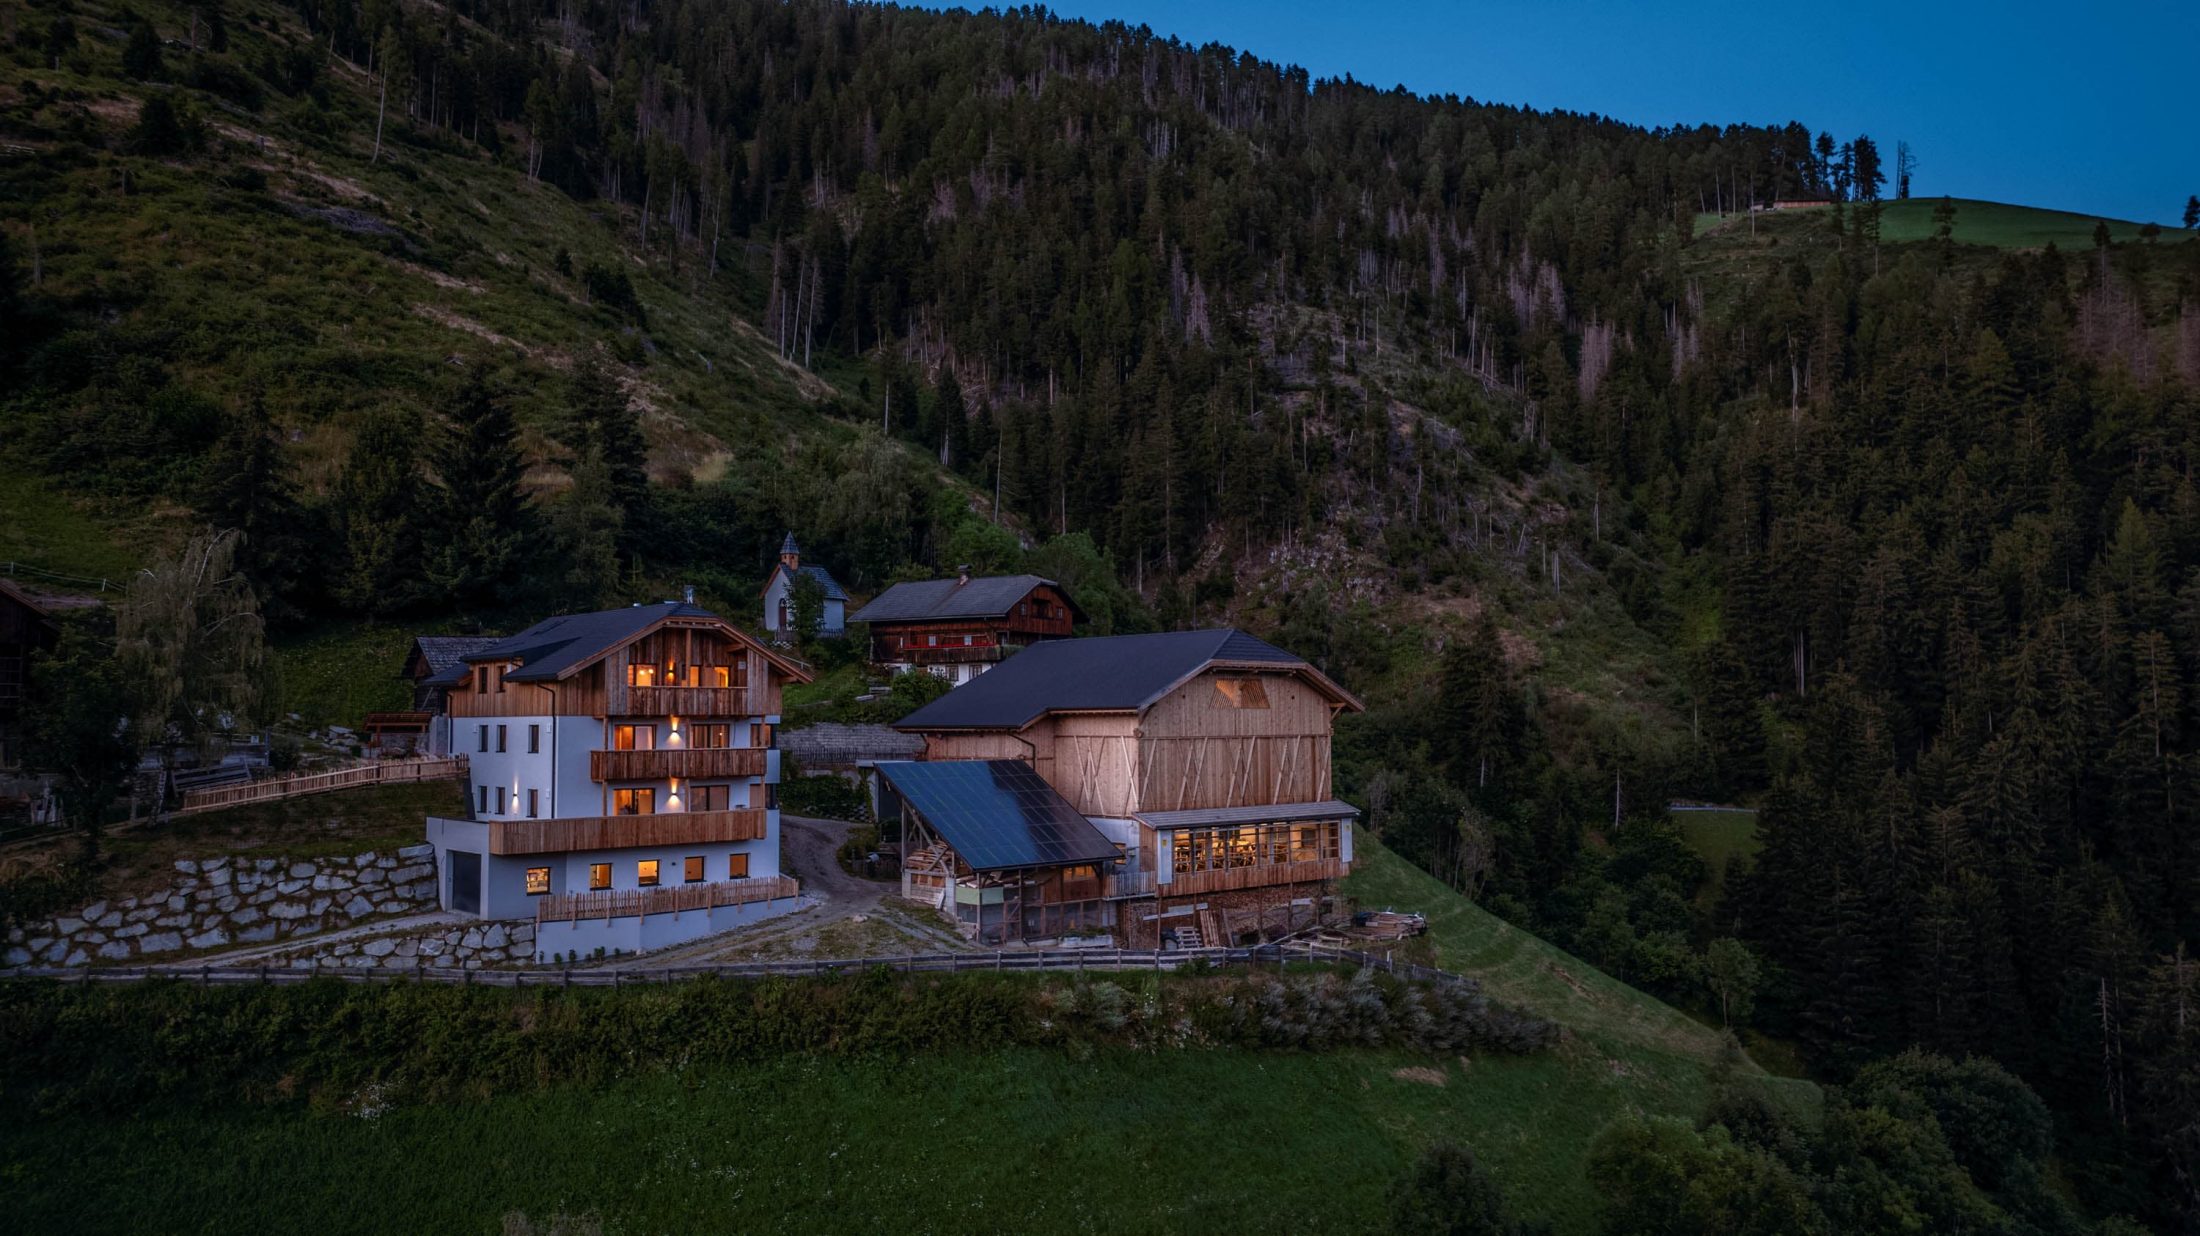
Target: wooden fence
column 273, row 789
column 1085, row 960
column 633, row 903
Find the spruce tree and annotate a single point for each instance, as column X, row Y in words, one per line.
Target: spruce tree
column 482, row 515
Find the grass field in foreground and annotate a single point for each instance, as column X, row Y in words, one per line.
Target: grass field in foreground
column 1225, row 1141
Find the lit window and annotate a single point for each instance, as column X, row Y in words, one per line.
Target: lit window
column 634, row 802
column 737, row 866
column 641, row 674
column 599, row 876
column 717, row 676
column 1240, row 693
column 691, row 869
column 538, row 881
column 645, row 873
column 634, row 738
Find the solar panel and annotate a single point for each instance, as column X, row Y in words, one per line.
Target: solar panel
column 997, row 813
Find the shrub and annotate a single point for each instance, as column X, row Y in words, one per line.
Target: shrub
column 1447, row 1193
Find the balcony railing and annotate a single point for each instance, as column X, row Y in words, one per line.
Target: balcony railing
column 617, row 832
column 1262, row 875
column 693, row 702
column 956, row 655
column 631, row 903
column 684, row 763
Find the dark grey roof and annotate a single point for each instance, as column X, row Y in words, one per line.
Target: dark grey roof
column 1273, row 814
column 924, row 600
column 554, row 645
column 998, row 814
column 788, row 546
column 446, row 654
column 830, row 744
column 824, row 578
column 1109, row 672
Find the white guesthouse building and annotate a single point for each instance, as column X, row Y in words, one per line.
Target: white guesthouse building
column 622, row 780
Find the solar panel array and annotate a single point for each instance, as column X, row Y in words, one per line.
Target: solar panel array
column 997, row 814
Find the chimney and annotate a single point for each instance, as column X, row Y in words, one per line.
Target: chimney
column 962, row 575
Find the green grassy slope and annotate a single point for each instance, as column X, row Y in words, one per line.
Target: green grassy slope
column 1226, row 1141
column 2000, row 225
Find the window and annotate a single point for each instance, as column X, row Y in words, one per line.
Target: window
column 533, row 803
column 534, row 740
column 737, row 866
column 500, row 800
column 771, row 798
column 711, row 797
column 710, row 737
column 481, row 738
column 634, row 738
column 501, row 736
column 757, row 736
column 1240, row 693
column 484, row 808
column 691, row 869
column 718, row 675
column 645, row 873
column 599, row 876
column 481, row 680
column 497, row 672
column 538, row 881
column 634, row 802
column 931, row 641
column 641, row 674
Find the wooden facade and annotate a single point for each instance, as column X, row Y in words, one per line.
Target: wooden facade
column 613, row 832
column 685, row 667
column 674, row 762
column 1043, row 613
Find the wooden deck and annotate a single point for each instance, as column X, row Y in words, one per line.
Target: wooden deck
column 615, row 832
column 632, row 903
column 684, row 763
column 378, row 772
column 1230, row 879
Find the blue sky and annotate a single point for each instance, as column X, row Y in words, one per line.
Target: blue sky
column 2020, row 102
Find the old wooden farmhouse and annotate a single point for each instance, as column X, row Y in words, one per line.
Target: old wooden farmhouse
column 1168, row 788
column 623, row 782
column 958, row 628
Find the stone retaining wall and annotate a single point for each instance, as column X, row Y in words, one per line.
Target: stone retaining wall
column 473, row 946
column 218, row 902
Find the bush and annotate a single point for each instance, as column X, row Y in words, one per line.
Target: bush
column 1447, row 1193
column 826, row 796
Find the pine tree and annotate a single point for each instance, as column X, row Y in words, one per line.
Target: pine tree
column 141, row 53
column 242, row 486
column 377, row 505
column 482, row 515
column 600, row 420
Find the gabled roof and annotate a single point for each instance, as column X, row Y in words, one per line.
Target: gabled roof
column 559, row 647
column 1113, row 673
column 38, row 606
column 824, row 578
column 998, row 814
column 830, row 744
column 928, row 600
column 446, row 654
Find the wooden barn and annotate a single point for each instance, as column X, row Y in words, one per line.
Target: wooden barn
column 1202, row 758
column 958, row 628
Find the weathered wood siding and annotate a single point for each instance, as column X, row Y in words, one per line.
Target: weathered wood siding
column 1196, row 751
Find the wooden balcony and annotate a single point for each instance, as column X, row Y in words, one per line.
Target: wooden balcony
column 691, row 702
column 631, row 903
column 682, row 762
column 1264, row 875
column 615, row 832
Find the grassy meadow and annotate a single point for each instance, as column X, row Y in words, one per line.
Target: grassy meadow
column 1030, row 1138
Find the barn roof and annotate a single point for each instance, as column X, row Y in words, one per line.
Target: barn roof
column 824, row 578
column 1112, row 673
column 929, row 600
column 997, row 814
column 445, row 655
column 830, row 744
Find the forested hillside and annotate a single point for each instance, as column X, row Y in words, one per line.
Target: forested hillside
column 1899, row 539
